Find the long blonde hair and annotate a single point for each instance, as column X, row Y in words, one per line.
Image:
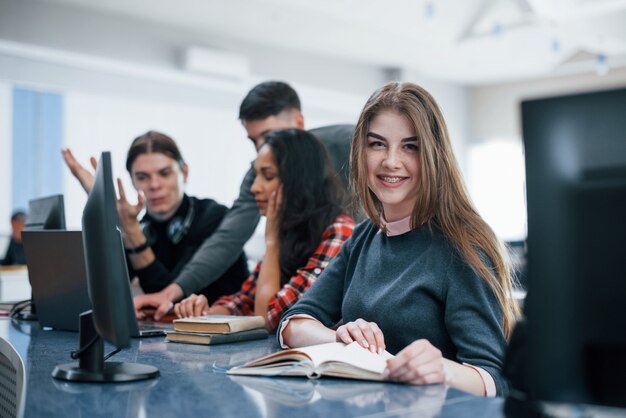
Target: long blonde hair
column 443, row 201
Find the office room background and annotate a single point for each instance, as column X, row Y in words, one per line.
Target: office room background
column 92, row 76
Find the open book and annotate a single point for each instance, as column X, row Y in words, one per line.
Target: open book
column 219, row 324
column 333, row 359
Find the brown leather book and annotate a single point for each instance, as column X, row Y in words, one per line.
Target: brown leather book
column 219, row 324
column 211, row 339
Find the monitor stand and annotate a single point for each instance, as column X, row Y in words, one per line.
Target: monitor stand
column 91, row 366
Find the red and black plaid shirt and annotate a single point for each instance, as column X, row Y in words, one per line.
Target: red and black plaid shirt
column 242, row 302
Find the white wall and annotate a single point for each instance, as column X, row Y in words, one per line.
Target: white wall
column 454, row 103
column 496, row 177
column 495, row 110
column 211, row 140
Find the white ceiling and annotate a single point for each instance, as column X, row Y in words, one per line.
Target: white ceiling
column 463, row 41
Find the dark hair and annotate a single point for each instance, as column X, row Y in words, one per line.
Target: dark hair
column 153, row 141
column 18, row 215
column 268, row 99
column 311, row 196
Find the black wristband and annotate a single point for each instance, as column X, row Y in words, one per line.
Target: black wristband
column 137, row 249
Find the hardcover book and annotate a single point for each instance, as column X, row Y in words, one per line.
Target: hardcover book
column 210, row 339
column 219, row 324
column 333, row 359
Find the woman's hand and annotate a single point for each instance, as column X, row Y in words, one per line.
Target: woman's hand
column 84, row 177
column 128, row 213
column 194, row 305
column 272, row 221
column 367, row 334
column 419, row 363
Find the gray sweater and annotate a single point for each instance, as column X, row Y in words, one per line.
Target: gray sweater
column 414, row 286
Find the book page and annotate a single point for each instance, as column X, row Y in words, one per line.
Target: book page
column 352, row 354
column 321, row 352
column 362, row 358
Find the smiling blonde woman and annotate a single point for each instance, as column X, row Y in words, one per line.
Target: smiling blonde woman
column 425, row 277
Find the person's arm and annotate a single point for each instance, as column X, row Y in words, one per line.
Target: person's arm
column 84, row 177
column 223, row 247
column 157, row 280
column 474, row 322
column 330, row 244
column 268, row 281
column 302, row 332
column 322, row 302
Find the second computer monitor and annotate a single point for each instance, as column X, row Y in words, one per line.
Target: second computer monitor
column 46, row 213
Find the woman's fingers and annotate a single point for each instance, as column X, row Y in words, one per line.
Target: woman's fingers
column 200, row 305
column 181, row 309
column 279, row 197
column 418, row 363
column 367, row 334
column 343, row 335
column 194, row 305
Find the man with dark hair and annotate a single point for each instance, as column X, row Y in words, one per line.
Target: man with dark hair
column 269, row 106
column 268, row 99
column 15, row 250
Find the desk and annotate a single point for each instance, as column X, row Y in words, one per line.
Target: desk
column 193, row 383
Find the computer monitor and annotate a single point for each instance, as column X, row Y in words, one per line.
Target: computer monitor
column 46, row 213
column 43, row 213
column 108, row 284
column 576, row 194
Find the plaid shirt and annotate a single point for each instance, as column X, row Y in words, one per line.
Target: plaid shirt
column 242, row 302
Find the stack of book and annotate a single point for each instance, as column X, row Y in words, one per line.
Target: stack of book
column 217, row 329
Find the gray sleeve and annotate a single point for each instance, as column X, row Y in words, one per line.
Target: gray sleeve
column 474, row 321
column 223, row 247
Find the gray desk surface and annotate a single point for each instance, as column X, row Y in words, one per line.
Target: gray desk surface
column 193, row 383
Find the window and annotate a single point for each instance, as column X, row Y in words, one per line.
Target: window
column 37, row 140
column 497, row 186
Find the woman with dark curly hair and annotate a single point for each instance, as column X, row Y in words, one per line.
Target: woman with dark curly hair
column 297, row 191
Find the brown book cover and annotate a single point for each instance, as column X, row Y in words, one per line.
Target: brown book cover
column 219, row 324
column 211, row 339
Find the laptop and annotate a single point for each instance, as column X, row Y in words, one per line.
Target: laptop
column 57, row 274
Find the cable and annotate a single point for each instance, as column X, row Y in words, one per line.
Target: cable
column 112, row 353
column 19, row 307
column 76, row 354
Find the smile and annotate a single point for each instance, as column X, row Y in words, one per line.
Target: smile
column 387, row 179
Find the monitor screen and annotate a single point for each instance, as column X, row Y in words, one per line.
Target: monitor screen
column 46, row 213
column 107, row 272
column 575, row 150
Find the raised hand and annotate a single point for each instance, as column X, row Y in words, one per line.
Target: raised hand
column 367, row 334
column 272, row 222
column 83, row 175
column 127, row 212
